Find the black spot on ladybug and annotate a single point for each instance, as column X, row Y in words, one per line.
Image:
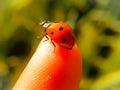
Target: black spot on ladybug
column 61, row 28
column 52, row 33
column 64, row 40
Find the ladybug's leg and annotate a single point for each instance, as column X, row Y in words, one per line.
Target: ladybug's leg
column 46, row 38
column 53, row 44
column 51, row 41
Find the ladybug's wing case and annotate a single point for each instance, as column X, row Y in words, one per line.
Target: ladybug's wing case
column 61, row 33
column 68, row 41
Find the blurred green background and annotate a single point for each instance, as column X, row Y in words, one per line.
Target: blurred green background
column 96, row 24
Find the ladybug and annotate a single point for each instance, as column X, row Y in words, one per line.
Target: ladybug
column 61, row 33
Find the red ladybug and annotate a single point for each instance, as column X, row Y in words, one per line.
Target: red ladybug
column 61, row 33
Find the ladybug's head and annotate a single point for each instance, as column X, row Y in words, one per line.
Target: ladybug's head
column 45, row 24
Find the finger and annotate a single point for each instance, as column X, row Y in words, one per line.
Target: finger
column 50, row 69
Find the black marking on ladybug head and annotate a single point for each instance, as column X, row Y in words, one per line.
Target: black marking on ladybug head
column 52, row 33
column 64, row 40
column 61, row 28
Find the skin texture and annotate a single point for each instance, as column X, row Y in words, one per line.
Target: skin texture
column 51, row 68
